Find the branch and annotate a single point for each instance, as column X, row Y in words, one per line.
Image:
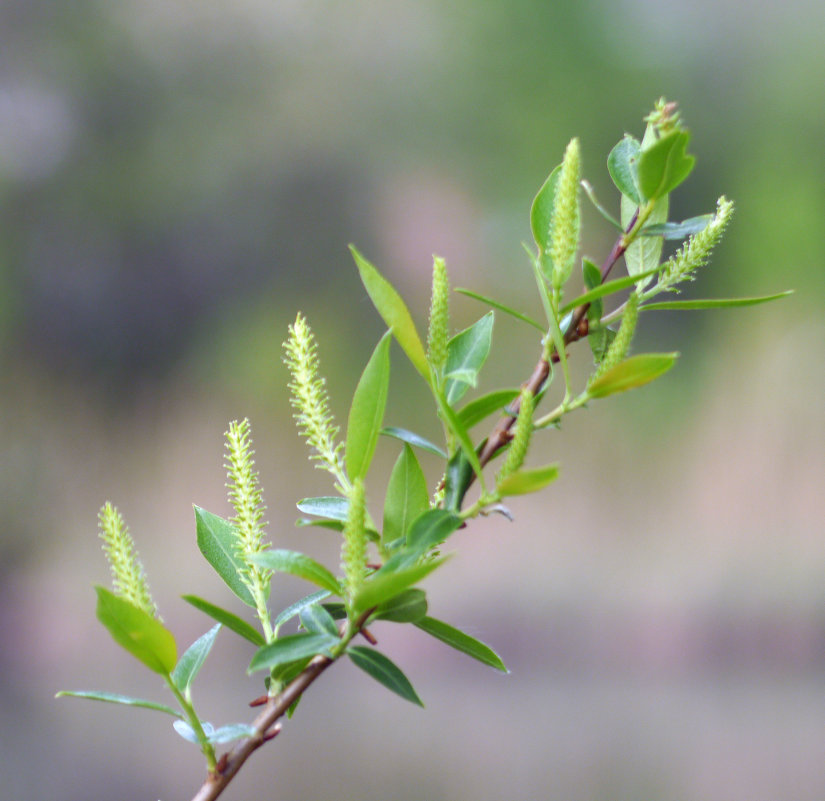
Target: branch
column 578, row 328
column 266, row 724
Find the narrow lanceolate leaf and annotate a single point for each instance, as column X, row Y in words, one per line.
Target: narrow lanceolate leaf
column 713, row 303
column 501, row 307
column 231, row 621
column 407, row 495
column 541, row 212
column 114, row 698
column 406, row 607
column 290, row 649
column 644, row 253
column 384, row 671
column 295, row 608
column 622, row 164
column 633, row 372
column 457, row 480
column 413, row 439
column 664, row 165
column 608, row 288
column 466, row 354
column 457, row 639
column 677, row 230
column 525, row 481
column 142, row 635
column 367, row 411
column 455, row 426
column 316, row 620
column 481, row 408
column 329, row 507
column 394, row 312
column 192, row 661
column 217, row 540
column 386, row 584
column 300, row 565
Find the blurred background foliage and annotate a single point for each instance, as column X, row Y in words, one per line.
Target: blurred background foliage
column 177, row 179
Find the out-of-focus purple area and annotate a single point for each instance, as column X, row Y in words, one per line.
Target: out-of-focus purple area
column 178, row 179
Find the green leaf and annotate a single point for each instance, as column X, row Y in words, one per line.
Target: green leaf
column 601, row 209
column 501, row 307
column 142, row 635
column 316, row 620
column 429, row 530
column 455, row 426
column 664, row 165
column 466, row 354
column 290, row 649
column 384, row 671
column 457, row 480
column 644, row 253
column 114, row 698
column 413, row 439
column 406, row 607
column 385, row 584
column 541, row 212
column 230, row 732
column 523, row 482
column 631, row 373
column 461, row 642
column 367, row 411
column 592, row 280
column 232, row 622
column 192, row 661
column 622, row 164
column 609, row 288
column 393, row 311
column 329, row 507
column 217, row 540
column 300, row 565
column 600, row 340
column 713, row 303
column 407, row 495
column 295, row 608
column 334, row 525
column 481, row 408
column 677, row 230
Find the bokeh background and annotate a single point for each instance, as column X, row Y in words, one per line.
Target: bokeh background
column 177, row 179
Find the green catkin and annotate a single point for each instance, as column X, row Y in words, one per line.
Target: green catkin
column 354, row 546
column 309, row 398
column 522, row 433
column 695, row 253
column 564, row 224
column 128, row 575
column 244, row 491
column 621, row 344
column 438, row 333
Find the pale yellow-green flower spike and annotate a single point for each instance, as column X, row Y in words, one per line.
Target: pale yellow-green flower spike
column 695, row 253
column 128, row 576
column 439, row 330
column 309, row 399
column 246, row 498
column 354, row 546
column 620, row 346
column 564, row 222
column 522, row 433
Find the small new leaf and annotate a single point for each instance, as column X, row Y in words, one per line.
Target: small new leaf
column 384, row 671
column 633, row 372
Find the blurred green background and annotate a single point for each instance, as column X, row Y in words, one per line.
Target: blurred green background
column 177, row 179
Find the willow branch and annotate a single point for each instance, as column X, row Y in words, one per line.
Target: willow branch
column 578, row 328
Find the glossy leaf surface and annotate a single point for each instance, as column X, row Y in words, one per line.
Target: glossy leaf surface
column 664, row 164
column 466, row 354
column 622, row 164
column 523, row 482
column 413, row 439
column 406, row 607
column 394, row 312
column 407, row 495
column 142, row 635
column 712, row 303
column 386, row 584
column 300, row 565
column 290, row 649
column 461, row 641
column 384, row 671
column 114, row 698
column 228, row 619
column 481, row 408
column 217, row 541
column 633, row 372
column 366, row 414
column 192, row 661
